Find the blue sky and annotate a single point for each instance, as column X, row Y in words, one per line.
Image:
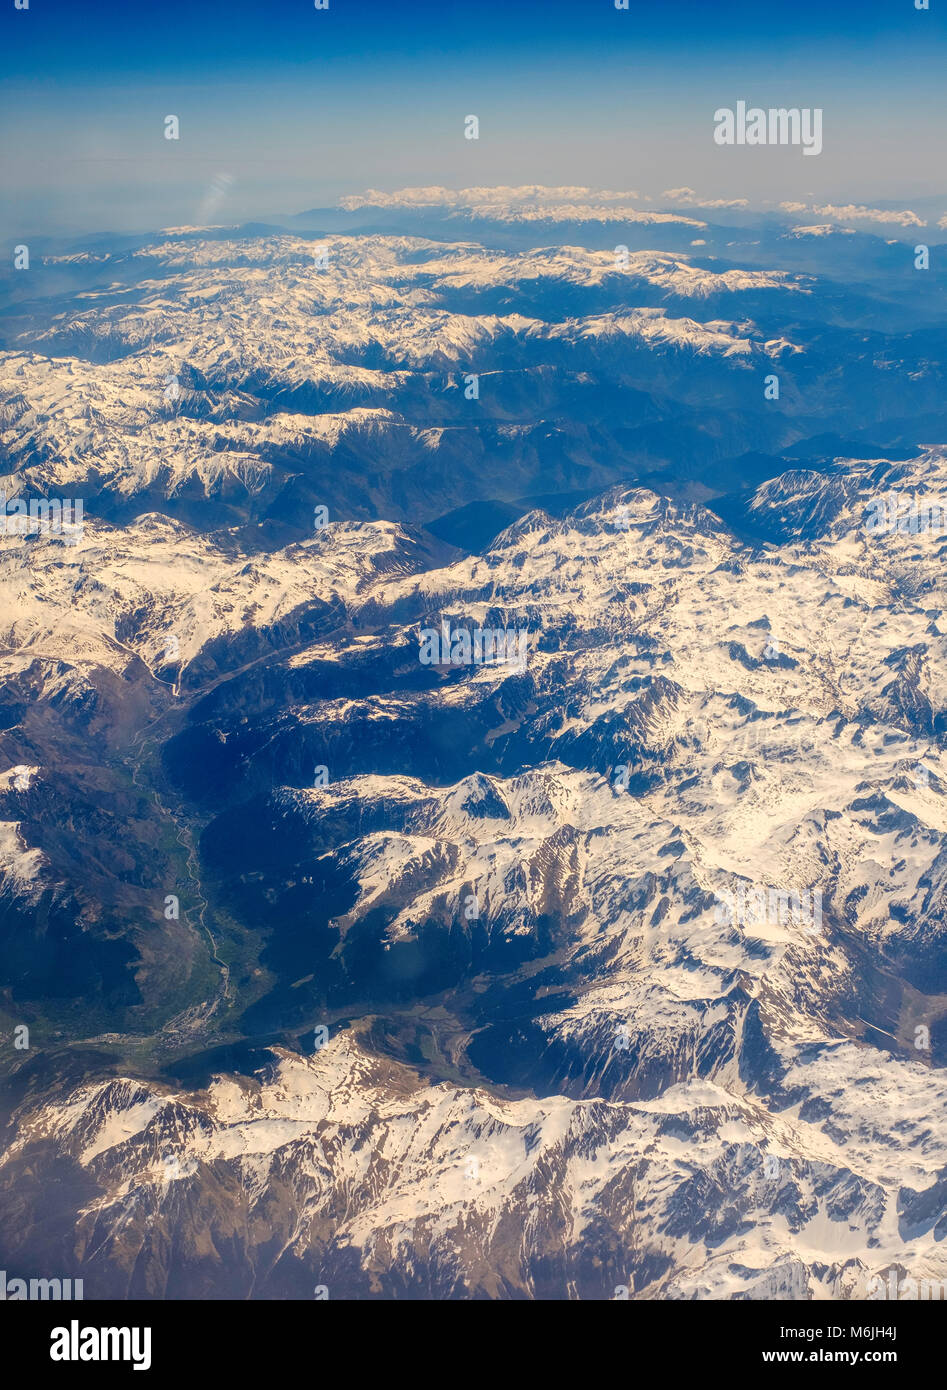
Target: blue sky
column 298, row 106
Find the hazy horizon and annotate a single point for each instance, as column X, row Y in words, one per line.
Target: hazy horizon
column 298, row 107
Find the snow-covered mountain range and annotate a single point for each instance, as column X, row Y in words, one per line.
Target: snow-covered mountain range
column 615, row 971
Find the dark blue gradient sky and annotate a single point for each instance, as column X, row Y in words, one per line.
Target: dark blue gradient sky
column 298, row 106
